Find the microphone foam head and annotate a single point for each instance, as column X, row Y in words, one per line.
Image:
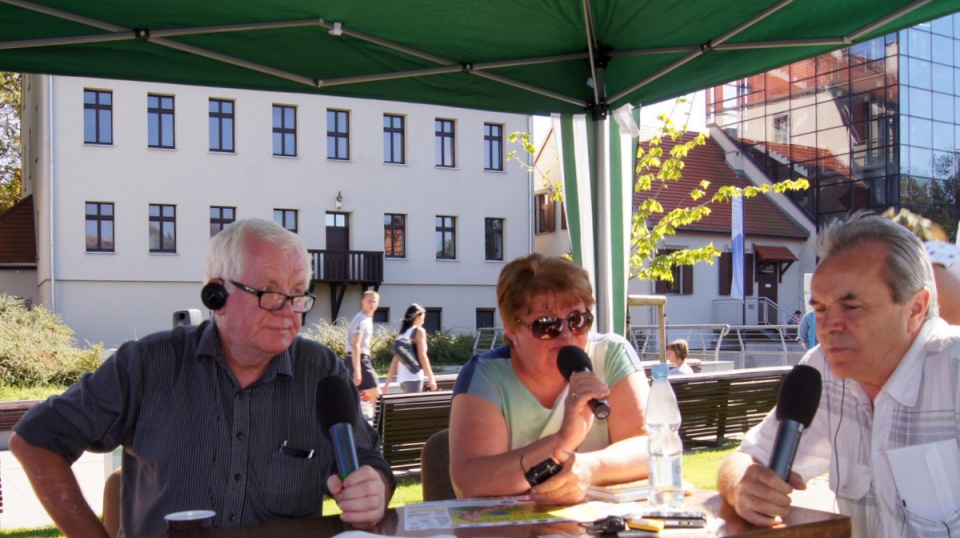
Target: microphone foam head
column 572, row 359
column 800, row 395
column 335, row 402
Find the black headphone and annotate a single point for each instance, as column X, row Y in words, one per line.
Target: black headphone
column 214, row 296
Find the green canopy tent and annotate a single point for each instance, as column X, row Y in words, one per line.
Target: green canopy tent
column 531, row 57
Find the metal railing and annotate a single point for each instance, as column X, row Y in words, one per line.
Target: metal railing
column 352, row 266
column 746, row 346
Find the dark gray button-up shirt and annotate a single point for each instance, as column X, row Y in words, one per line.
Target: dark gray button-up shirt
column 193, row 439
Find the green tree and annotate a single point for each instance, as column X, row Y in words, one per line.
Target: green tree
column 10, row 148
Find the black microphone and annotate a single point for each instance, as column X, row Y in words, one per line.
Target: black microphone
column 796, row 406
column 572, row 359
column 337, row 410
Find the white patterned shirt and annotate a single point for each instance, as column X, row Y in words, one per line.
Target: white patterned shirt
column 850, row 436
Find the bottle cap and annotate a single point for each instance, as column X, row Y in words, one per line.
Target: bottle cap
column 660, row 370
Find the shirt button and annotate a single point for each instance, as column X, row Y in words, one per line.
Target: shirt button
column 240, row 436
column 236, row 477
column 233, row 517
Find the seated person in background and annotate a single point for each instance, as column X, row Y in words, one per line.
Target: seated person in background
column 412, row 328
column 677, row 352
column 891, row 376
column 201, row 411
column 512, row 408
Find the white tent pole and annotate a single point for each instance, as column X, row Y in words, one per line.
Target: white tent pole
column 604, row 243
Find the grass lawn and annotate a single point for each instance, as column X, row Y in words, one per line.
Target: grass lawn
column 699, row 468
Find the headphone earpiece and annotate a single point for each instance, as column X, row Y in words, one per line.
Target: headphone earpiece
column 214, row 296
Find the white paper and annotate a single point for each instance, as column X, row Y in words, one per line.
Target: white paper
column 928, row 477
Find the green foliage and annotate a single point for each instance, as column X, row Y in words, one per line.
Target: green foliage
column 37, row 349
column 12, row 394
column 444, row 348
column 10, row 148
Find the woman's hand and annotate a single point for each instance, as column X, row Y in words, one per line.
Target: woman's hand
column 432, row 383
column 577, row 413
column 570, row 485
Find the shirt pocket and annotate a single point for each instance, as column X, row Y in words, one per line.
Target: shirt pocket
column 914, row 525
column 854, row 479
column 293, row 486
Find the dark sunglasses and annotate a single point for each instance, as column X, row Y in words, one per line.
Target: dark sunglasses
column 549, row 327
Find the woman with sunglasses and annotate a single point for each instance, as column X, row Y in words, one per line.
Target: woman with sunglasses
column 412, row 328
column 513, row 409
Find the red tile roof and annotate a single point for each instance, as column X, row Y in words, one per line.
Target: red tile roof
column 761, row 216
column 18, row 239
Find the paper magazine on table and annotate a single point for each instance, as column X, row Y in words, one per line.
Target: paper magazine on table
column 638, row 490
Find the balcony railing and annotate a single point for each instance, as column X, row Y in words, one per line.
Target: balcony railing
column 347, row 266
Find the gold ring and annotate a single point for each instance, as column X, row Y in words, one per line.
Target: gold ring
column 574, row 395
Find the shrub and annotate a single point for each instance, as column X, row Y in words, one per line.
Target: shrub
column 37, row 349
column 445, row 348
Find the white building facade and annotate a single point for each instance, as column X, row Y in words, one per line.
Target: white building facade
column 131, row 179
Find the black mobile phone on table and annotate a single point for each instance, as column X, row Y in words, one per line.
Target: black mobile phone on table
column 673, row 519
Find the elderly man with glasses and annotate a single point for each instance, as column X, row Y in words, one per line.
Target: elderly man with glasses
column 513, row 408
column 222, row 416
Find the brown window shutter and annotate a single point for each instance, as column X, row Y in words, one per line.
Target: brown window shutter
column 726, row 272
column 551, row 215
column 687, row 280
column 747, row 274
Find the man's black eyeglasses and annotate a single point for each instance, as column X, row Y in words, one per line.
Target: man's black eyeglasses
column 274, row 300
column 549, row 327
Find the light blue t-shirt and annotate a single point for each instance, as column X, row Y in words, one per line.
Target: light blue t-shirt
column 491, row 376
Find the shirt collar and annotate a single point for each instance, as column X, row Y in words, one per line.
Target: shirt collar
column 904, row 383
column 209, row 348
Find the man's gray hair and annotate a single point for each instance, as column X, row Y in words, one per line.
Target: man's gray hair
column 908, row 268
column 226, row 258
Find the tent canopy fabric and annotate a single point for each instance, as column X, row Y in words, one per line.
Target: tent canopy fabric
column 530, row 57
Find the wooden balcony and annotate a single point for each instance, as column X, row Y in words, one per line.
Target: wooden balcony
column 341, row 268
column 347, row 266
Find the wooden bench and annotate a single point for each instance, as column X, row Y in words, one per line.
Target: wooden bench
column 715, row 405
column 406, row 421
column 10, row 413
column 445, row 381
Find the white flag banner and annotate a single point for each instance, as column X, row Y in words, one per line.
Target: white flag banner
column 736, row 230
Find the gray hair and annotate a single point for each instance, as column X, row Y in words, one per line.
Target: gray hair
column 908, row 269
column 226, row 258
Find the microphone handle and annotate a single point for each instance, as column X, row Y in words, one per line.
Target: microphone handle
column 785, row 447
column 601, row 408
column 344, row 449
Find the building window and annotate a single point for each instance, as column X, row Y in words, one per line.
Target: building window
column 546, row 213
column 221, row 125
column 160, row 121
column 97, row 117
column 286, row 218
column 446, row 238
column 445, row 138
column 393, row 139
column 338, row 135
column 492, row 147
column 381, row 315
column 433, row 320
column 284, row 131
column 394, row 235
column 220, row 218
column 493, row 239
column 682, row 280
column 99, row 227
column 163, row 228
column 781, row 129
column 485, row 318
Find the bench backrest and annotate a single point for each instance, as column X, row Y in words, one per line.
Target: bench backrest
column 406, row 421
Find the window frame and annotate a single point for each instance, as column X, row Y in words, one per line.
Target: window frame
column 394, row 136
column 284, row 131
column 445, row 230
column 546, row 218
column 492, row 142
column 285, row 214
column 391, row 231
column 160, row 113
column 159, row 223
column 495, row 236
column 336, row 134
column 220, row 117
column 98, row 108
column 100, row 218
column 220, row 221
column 445, row 136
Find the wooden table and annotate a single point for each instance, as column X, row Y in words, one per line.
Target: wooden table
column 801, row 522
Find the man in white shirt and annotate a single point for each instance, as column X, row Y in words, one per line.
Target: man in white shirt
column 891, row 373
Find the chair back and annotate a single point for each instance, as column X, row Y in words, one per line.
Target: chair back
column 435, row 468
column 111, row 503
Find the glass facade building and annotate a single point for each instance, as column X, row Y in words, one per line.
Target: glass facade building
column 871, row 126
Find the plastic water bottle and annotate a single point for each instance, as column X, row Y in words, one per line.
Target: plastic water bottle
column 666, row 449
